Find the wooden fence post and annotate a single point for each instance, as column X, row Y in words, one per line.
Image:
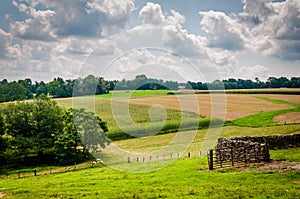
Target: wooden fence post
column 128, row 159
column 231, row 153
column 211, row 160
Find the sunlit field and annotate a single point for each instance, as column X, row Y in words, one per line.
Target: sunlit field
column 246, row 115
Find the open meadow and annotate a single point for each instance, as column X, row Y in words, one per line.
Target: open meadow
column 246, row 115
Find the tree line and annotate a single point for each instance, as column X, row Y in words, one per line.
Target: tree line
column 40, row 132
column 91, row 85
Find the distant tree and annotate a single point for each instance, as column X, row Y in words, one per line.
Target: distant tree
column 56, row 88
column 13, row 91
column 4, row 81
column 102, row 86
column 27, row 83
column 295, row 82
column 42, row 89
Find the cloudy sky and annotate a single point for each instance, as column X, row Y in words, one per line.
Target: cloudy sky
column 199, row 40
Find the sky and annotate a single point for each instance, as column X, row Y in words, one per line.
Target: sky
column 197, row 40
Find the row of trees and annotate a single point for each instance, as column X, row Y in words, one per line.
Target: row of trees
column 90, row 85
column 42, row 129
column 231, row 83
column 58, row 88
column 141, row 82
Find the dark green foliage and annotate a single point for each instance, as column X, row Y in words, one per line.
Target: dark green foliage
column 91, row 129
column 41, row 128
column 232, row 83
column 12, row 91
column 30, row 127
column 82, row 132
column 91, row 85
column 142, row 82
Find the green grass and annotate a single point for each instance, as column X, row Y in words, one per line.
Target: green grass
column 292, row 155
column 276, row 101
column 264, row 118
column 185, row 178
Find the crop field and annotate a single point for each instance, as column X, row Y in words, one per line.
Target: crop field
column 132, row 117
column 246, row 115
column 237, row 105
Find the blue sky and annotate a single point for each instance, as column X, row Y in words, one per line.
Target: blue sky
column 199, row 40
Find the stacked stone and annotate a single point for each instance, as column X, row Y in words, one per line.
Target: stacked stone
column 274, row 142
column 235, row 150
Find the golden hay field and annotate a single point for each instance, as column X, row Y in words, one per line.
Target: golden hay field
column 237, row 105
column 288, row 118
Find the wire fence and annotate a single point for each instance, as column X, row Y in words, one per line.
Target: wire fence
column 94, row 164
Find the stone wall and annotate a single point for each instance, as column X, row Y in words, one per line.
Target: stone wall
column 252, row 149
column 234, row 151
column 274, row 142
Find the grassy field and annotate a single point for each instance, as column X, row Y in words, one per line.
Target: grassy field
column 185, row 178
column 250, row 115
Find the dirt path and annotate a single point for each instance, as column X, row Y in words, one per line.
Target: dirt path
column 281, row 166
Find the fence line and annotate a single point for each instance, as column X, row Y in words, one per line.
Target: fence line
column 134, row 159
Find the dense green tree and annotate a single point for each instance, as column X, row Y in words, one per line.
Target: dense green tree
column 32, row 125
column 41, row 89
column 102, row 86
column 91, row 129
column 47, row 116
column 27, row 83
column 56, row 88
column 83, row 132
column 3, row 144
column 12, row 91
column 67, row 143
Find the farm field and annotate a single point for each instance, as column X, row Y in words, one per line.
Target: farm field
column 186, row 177
column 139, row 114
column 237, row 105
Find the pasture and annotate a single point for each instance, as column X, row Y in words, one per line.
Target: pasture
column 185, row 177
